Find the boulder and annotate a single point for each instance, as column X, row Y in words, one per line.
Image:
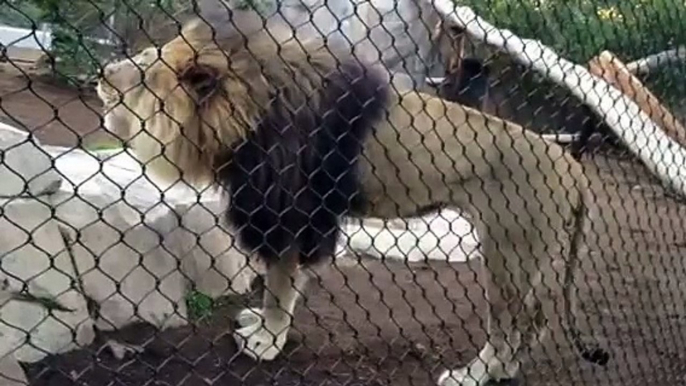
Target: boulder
column 43, row 309
column 444, row 236
column 136, row 247
column 140, row 246
column 212, row 260
column 11, row 373
column 25, row 169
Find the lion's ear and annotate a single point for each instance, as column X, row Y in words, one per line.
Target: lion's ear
column 202, row 79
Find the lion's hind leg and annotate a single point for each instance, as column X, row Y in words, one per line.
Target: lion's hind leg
column 515, row 319
column 263, row 332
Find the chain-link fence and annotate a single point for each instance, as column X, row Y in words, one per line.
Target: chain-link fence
column 304, row 192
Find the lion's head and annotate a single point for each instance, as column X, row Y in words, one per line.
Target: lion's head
column 179, row 106
column 185, row 106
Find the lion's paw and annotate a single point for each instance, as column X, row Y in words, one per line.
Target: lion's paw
column 461, row 377
column 249, row 317
column 255, row 340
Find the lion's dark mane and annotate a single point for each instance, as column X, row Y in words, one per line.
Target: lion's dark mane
column 295, row 175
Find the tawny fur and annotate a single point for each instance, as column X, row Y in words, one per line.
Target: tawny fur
column 526, row 196
column 165, row 113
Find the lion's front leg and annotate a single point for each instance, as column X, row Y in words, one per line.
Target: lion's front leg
column 263, row 331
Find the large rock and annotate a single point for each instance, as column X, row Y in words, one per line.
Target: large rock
column 25, row 169
column 444, row 236
column 137, row 255
column 146, row 275
column 212, row 260
column 123, row 269
column 11, row 373
column 139, row 246
column 115, row 178
column 37, row 274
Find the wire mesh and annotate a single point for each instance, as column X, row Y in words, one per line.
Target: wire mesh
column 453, row 257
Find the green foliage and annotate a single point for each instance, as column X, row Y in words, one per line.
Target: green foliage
column 79, row 28
column 200, row 306
column 258, row 5
column 74, row 51
column 103, row 147
column 580, row 29
column 576, row 29
column 19, row 13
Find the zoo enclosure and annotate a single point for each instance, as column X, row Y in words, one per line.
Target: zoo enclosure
column 68, row 223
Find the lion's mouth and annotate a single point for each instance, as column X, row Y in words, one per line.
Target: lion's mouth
column 119, row 127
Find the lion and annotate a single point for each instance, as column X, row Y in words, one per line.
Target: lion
column 469, row 86
column 301, row 135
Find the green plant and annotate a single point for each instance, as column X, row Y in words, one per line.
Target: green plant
column 258, row 5
column 580, row 29
column 104, row 147
column 200, row 306
column 86, row 33
column 577, row 29
column 19, row 13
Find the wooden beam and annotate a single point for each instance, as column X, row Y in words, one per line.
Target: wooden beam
column 612, row 70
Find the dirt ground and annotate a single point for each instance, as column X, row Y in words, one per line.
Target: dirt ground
column 57, row 115
column 390, row 323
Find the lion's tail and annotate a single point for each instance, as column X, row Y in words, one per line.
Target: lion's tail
column 588, row 352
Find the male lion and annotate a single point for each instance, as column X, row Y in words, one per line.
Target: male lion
column 300, row 137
